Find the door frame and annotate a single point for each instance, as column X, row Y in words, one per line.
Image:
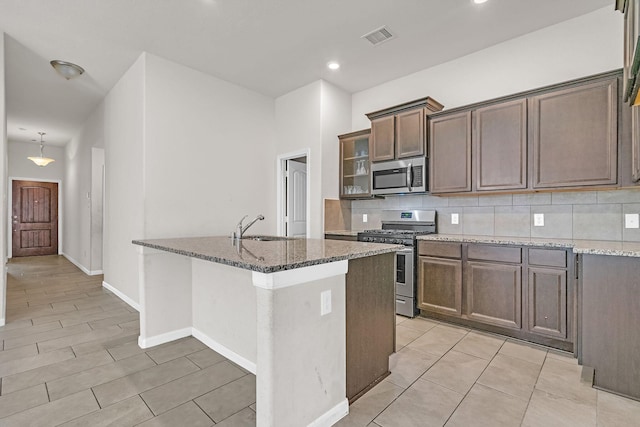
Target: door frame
column 10, row 210
column 282, row 200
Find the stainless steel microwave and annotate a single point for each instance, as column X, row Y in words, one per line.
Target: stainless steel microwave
column 399, row 176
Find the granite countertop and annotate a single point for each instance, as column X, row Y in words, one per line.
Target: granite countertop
column 268, row 256
column 342, row 232
column 590, row 247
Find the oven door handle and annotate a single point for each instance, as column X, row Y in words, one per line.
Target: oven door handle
column 409, row 176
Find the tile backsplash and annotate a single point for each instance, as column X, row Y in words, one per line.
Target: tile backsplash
column 592, row 215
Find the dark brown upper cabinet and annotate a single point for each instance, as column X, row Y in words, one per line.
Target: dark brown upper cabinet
column 450, row 153
column 399, row 132
column 574, row 136
column 500, row 146
column 355, row 168
column 631, row 50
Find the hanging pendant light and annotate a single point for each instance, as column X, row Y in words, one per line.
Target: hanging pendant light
column 41, row 161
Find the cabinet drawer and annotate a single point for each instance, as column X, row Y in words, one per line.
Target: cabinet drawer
column 548, row 257
column 495, row 253
column 440, row 249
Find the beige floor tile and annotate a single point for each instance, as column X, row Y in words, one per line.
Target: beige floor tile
column 419, row 324
column 225, row 401
column 29, row 330
column 175, row 349
column 617, row 411
column 99, row 375
column 54, row 371
column 175, row 393
column 205, row 358
column 485, row 407
column 510, row 375
column 480, row 344
column 407, row 365
column 405, row 335
column 423, row 404
column 18, row 324
column 548, row 410
column 188, row 414
column 369, row 406
column 564, row 380
column 27, row 363
column 76, row 319
column 562, row 355
column 400, row 319
column 244, row 418
column 12, row 403
column 127, row 349
column 128, row 412
column 79, row 338
column 57, row 316
column 54, row 413
column 525, row 351
column 123, row 337
column 438, row 340
column 45, row 336
column 141, row 381
column 18, row 353
column 456, row 371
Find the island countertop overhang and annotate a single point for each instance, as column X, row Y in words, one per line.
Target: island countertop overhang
column 267, row 256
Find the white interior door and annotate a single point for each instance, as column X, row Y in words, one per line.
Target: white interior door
column 296, row 199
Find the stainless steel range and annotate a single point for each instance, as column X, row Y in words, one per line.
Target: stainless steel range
column 402, row 228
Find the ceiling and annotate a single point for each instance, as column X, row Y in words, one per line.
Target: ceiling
column 270, row 46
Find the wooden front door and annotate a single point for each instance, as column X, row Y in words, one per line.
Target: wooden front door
column 34, row 218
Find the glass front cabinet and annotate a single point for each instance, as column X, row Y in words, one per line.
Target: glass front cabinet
column 355, row 178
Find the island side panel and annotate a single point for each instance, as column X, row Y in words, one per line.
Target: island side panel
column 224, row 311
column 165, row 297
column 371, row 321
column 301, row 354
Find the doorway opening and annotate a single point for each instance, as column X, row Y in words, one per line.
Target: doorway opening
column 293, row 194
column 34, row 218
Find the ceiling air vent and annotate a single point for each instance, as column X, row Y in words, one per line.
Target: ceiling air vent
column 378, row 36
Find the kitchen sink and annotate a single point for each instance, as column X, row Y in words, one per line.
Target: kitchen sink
column 267, row 238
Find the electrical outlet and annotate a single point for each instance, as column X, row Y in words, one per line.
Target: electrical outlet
column 325, row 302
column 538, row 220
column 631, row 220
column 455, row 219
column 364, row 218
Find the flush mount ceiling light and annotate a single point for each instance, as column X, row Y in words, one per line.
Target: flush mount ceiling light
column 41, row 161
column 479, row 1
column 333, row 65
column 67, row 70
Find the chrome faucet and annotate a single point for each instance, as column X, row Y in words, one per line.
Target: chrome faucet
column 240, row 230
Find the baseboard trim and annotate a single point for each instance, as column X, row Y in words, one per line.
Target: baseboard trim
column 163, row 338
column 225, row 351
column 80, row 266
column 2, row 321
column 122, row 296
column 332, row 416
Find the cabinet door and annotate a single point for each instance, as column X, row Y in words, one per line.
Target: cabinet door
column 354, row 166
column 547, row 302
column 500, row 141
column 450, row 151
column 635, row 143
column 383, row 139
column 410, row 133
column 494, row 294
column 574, row 136
column 440, row 285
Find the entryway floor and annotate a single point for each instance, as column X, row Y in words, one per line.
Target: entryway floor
column 69, row 356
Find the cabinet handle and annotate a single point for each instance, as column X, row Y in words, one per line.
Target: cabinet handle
column 400, row 301
column 409, row 176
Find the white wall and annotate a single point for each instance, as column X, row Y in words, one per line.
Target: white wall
column 312, row 117
column 209, row 154
column 582, row 46
column 78, row 195
column 124, row 169
column 3, row 186
column 21, row 167
column 97, row 197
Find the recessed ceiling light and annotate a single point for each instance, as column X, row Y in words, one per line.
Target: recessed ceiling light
column 479, row 1
column 333, row 65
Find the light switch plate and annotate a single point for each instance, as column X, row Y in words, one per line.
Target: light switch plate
column 455, row 219
column 538, row 220
column 325, row 302
column 364, row 218
column 632, row 220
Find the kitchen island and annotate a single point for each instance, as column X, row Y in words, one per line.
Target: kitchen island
column 276, row 308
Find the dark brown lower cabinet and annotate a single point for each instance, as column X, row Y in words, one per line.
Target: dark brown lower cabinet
column 370, row 316
column 441, row 288
column 494, row 293
column 523, row 292
column 610, row 319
